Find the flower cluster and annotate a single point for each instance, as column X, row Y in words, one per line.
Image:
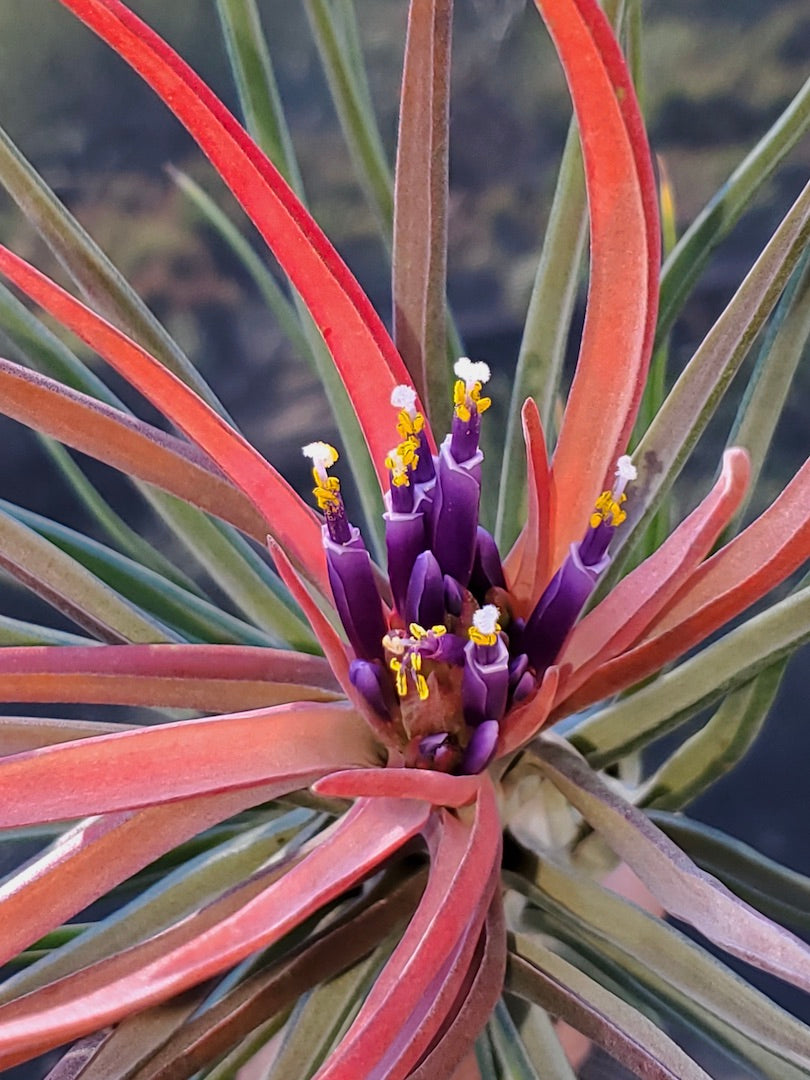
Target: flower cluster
column 455, row 652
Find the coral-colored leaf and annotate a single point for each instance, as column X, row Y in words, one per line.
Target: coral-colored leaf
column 98, row 854
column 616, row 339
column 287, row 516
column 524, row 721
column 621, row 618
column 136, row 448
column 169, row 963
column 527, row 566
column 363, row 352
column 397, row 1022
column 437, row 788
column 298, row 742
column 755, row 561
column 478, row 1001
column 214, row 678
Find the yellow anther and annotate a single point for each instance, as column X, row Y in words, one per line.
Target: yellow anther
column 409, row 426
column 478, row 638
column 608, row 509
column 463, row 399
column 327, row 488
column 422, row 687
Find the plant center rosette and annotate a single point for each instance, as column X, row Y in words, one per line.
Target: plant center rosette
column 441, row 667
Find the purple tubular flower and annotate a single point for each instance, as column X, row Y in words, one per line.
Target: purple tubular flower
column 487, row 572
column 356, row 598
column 404, row 540
column 424, row 602
column 453, row 596
column 480, row 748
column 371, row 680
column 455, row 513
column 485, row 683
column 558, row 608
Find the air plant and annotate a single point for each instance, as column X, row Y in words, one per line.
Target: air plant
column 398, row 863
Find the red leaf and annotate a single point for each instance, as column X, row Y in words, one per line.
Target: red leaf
column 524, row 721
column 214, row 678
column 288, row 517
column 128, row 444
column 619, row 621
column 748, row 567
column 616, row 339
column 362, row 350
column 96, row 855
column 171, row 962
column 465, row 864
column 527, row 566
column 297, row 743
column 437, row 788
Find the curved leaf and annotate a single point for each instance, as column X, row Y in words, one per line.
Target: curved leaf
column 440, row 789
column 748, row 567
column 206, row 677
column 684, row 890
column 173, row 961
column 615, row 624
column 363, row 352
column 295, row 744
column 283, row 510
column 624, row 262
column 134, row 447
column 681, row 693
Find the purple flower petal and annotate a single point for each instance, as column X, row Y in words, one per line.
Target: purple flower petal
column 355, row 592
column 455, row 513
column 404, row 539
column 424, row 603
column 481, row 747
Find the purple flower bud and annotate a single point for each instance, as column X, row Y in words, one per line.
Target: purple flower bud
column 485, row 682
column 356, row 598
column 525, row 688
column 487, row 570
column 439, row 751
column 371, row 680
column 480, row 748
column 558, row 608
column 404, row 540
column 425, row 470
column 424, row 603
column 453, row 596
column 455, row 513
column 517, row 668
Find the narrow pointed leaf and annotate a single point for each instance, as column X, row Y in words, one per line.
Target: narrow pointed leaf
column 363, row 352
column 451, row 1050
column 748, row 567
column 681, row 693
column 93, row 857
column 539, row 975
column 622, row 617
column 101, row 283
column 211, row 678
column 107, row 991
column 267, row 992
column 527, row 566
column 419, row 262
column 696, row 984
column 433, row 787
column 464, row 864
column 684, row 890
column 71, row 589
column 283, row 510
column 297, row 742
column 621, row 303
column 21, row 733
column 128, row 444
column 669, row 441
column 725, row 208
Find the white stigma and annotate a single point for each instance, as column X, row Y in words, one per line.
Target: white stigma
column 404, row 397
column 321, row 454
column 486, row 618
column 625, row 472
column 471, row 371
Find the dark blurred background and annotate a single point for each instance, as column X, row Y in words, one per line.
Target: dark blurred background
column 716, row 76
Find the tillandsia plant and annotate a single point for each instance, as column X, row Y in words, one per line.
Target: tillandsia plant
column 373, row 855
